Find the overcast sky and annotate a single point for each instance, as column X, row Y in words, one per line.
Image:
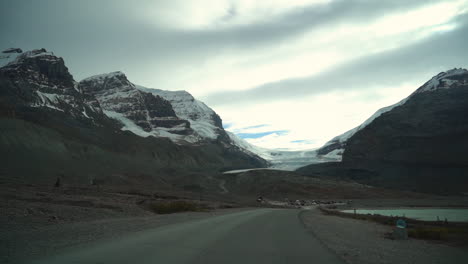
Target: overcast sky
column 281, row 74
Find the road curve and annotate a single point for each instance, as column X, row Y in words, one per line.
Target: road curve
column 254, row 236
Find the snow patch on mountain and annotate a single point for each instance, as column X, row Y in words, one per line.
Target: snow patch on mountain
column 261, row 152
column 442, row 80
column 17, row 58
column 47, row 100
column 101, row 78
column 129, row 125
column 7, row 58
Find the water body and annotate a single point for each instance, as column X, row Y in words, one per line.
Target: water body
column 425, row 214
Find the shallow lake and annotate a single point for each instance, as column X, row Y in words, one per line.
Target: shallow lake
column 426, row 214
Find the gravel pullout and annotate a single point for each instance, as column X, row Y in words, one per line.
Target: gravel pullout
column 363, row 242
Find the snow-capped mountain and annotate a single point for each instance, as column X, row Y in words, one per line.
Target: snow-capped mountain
column 204, row 121
column 419, row 144
column 72, row 127
column 444, row 80
column 175, row 115
column 139, row 112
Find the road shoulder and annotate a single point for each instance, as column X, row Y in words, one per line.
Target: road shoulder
column 357, row 241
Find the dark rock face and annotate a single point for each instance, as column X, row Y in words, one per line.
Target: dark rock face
column 42, row 68
column 217, row 120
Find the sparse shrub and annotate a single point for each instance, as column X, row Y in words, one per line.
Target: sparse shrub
column 432, row 233
column 175, row 207
column 227, row 206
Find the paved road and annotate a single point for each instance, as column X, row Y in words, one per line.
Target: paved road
column 255, row 236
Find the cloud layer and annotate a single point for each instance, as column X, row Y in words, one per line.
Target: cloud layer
column 314, row 68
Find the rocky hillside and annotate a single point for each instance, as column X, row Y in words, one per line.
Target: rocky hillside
column 100, row 128
column 418, row 144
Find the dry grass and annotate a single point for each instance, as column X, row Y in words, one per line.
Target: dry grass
column 428, row 230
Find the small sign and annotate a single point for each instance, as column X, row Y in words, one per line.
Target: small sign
column 400, row 223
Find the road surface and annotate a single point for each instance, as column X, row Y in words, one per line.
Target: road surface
column 254, row 236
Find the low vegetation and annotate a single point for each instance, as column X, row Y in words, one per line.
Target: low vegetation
column 428, row 230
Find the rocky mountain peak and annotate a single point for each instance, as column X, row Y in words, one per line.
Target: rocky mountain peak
column 140, row 112
column 108, row 81
column 39, row 67
column 40, row 79
column 445, row 80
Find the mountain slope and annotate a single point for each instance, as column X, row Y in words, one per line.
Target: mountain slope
column 431, row 127
column 419, row 144
column 441, row 81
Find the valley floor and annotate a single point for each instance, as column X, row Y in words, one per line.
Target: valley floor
column 40, row 221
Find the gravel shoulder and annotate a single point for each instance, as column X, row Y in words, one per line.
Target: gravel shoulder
column 357, row 241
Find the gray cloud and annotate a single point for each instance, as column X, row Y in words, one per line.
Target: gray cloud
column 103, row 36
column 441, row 51
column 292, row 23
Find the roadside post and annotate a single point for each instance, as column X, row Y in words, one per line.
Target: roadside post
column 400, row 232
